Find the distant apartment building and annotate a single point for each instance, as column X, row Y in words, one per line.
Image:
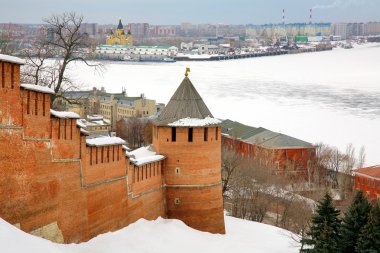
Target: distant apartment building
column 187, row 26
column 115, row 107
column 285, row 154
column 349, row 30
column 160, row 30
column 207, row 30
column 112, row 106
column 296, row 29
column 230, row 30
column 92, row 29
column 357, row 29
column 373, row 28
column 139, row 30
column 368, row 181
column 339, row 29
column 95, row 125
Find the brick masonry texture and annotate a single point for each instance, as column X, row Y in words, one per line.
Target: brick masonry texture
column 49, row 176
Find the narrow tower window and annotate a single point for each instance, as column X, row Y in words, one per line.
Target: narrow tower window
column 12, row 76
column 205, row 134
column 36, row 104
column 216, row 133
column 43, row 105
column 90, row 155
column 28, row 102
column 3, row 74
column 174, row 134
column 190, row 136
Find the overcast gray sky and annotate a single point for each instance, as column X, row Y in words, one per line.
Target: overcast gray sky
column 195, row 11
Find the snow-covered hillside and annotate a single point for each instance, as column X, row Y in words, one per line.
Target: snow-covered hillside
column 160, row 235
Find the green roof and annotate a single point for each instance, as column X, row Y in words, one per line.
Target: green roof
column 238, row 130
column 274, row 140
column 301, row 38
column 113, row 46
column 159, row 47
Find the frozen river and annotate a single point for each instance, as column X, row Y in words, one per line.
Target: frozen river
column 331, row 97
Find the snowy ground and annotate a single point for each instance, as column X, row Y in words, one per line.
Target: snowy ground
column 160, row 236
column 330, row 96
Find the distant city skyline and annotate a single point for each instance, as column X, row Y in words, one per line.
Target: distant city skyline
column 195, row 11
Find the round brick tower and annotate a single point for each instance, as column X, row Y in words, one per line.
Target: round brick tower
column 188, row 135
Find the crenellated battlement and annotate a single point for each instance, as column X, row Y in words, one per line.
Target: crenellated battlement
column 10, row 111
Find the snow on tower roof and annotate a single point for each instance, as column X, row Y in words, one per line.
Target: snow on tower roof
column 104, row 141
column 185, row 103
column 190, row 122
column 64, row 115
column 38, row 88
column 12, row 59
column 144, row 155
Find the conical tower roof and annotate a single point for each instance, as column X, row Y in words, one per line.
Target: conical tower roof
column 186, row 103
column 120, row 25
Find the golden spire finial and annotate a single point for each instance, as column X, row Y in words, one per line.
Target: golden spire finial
column 187, row 71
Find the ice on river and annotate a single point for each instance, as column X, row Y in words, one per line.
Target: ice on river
column 331, row 97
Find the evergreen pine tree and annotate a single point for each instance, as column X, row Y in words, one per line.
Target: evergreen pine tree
column 353, row 222
column 323, row 236
column 369, row 239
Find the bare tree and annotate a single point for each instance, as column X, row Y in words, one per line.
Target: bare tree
column 37, row 71
column 64, row 39
column 361, row 158
column 67, row 40
column 231, row 160
column 136, row 131
column 8, row 44
column 348, row 165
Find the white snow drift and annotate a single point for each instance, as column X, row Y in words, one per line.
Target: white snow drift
column 160, row 235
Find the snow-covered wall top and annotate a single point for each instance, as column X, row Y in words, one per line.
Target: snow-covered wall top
column 81, row 123
column 12, row 59
column 190, row 122
column 64, row 115
column 82, row 131
column 104, row 141
column 144, row 155
column 38, row 88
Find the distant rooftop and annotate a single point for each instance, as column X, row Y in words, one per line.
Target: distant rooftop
column 262, row 137
column 274, row 140
column 157, row 47
column 113, row 46
column 373, row 171
column 237, row 129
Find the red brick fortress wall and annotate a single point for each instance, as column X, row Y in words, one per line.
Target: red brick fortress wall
column 48, row 175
